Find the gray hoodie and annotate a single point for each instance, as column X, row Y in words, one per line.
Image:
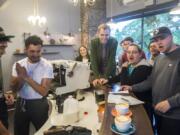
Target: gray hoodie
column 165, row 82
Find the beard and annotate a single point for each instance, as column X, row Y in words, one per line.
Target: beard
column 168, row 48
column 34, row 59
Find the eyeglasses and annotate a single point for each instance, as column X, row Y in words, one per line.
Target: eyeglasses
column 105, row 35
column 132, row 52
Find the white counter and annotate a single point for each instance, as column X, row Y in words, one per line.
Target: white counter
column 89, row 120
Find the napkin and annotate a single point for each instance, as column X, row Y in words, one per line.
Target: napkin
column 112, row 98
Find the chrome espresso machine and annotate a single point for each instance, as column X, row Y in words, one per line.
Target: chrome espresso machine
column 70, row 75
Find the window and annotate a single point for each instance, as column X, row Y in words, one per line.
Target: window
column 141, row 29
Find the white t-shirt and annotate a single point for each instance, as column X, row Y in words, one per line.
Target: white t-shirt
column 85, row 60
column 38, row 71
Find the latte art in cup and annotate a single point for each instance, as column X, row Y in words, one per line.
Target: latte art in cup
column 122, row 123
column 122, row 119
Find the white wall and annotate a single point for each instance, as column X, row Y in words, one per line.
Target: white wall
column 61, row 16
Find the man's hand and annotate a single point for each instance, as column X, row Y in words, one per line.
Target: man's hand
column 103, row 81
column 163, row 106
column 9, row 98
column 126, row 87
column 21, row 71
column 96, row 82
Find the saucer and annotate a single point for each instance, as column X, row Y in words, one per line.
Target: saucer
column 115, row 113
column 130, row 131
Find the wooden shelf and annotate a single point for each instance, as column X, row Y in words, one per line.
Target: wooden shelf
column 42, row 53
column 57, row 45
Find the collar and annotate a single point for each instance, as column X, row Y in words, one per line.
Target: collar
column 140, row 63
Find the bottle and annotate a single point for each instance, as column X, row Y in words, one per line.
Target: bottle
column 71, row 110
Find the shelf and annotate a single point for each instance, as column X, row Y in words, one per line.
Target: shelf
column 42, row 53
column 57, row 45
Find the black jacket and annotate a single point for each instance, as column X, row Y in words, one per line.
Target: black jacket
column 140, row 73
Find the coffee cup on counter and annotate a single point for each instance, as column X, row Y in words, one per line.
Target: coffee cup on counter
column 122, row 108
column 122, row 123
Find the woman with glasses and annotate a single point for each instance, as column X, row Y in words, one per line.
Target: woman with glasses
column 134, row 71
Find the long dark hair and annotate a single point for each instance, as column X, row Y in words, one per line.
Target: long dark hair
column 79, row 57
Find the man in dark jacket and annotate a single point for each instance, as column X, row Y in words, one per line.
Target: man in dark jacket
column 103, row 52
column 165, row 83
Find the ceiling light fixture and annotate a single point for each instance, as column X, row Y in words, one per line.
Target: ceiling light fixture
column 86, row 2
column 35, row 19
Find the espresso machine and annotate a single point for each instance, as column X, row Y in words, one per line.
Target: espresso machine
column 69, row 77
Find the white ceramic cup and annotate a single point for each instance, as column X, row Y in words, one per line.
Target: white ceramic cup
column 122, row 123
column 122, row 108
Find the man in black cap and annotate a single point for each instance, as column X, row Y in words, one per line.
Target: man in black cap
column 3, row 97
column 165, row 83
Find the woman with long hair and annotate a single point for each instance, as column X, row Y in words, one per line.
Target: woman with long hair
column 83, row 55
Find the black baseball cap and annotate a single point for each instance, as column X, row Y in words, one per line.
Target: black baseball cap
column 4, row 37
column 161, row 32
